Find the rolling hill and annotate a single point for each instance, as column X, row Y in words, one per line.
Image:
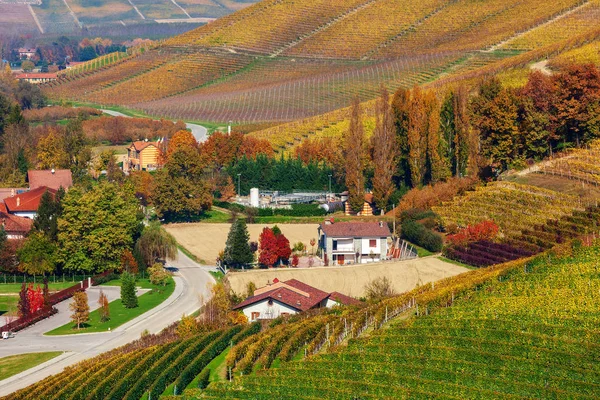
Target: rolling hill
column 94, row 16
column 283, row 60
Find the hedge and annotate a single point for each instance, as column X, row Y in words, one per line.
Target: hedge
column 421, row 236
column 203, row 378
column 205, row 357
column 298, row 210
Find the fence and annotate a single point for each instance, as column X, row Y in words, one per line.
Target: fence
column 55, row 298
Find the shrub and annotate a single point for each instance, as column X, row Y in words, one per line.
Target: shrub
column 158, row 275
column 379, row 288
column 485, row 230
column 421, row 236
column 203, row 378
column 297, row 210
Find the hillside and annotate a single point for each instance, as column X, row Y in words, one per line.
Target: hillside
column 74, row 16
column 281, row 60
column 521, row 329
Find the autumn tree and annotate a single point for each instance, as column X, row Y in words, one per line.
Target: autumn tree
column 218, row 306
column 401, row 111
column 104, row 308
column 96, row 226
column 384, row 151
column 283, row 248
column 379, row 288
column 187, row 327
column 23, row 305
column 128, row 262
column 353, row 152
column 269, row 253
column 38, row 256
column 437, row 163
column 237, row 248
column 80, row 308
column 417, row 137
column 50, row 151
column 158, row 275
column 156, row 243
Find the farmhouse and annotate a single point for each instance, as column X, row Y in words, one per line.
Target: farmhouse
column 52, row 179
column 142, row 155
column 26, row 52
column 280, row 299
column 37, row 77
column 353, row 242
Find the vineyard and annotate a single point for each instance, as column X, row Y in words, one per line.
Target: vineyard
column 513, row 331
column 281, row 60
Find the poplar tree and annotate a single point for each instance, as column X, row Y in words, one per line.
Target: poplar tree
column 384, row 151
column 401, row 112
column 436, row 162
column 417, row 134
column 355, row 181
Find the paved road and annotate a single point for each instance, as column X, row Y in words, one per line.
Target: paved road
column 192, row 288
column 199, row 132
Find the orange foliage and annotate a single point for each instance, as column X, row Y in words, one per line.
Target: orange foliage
column 119, row 130
column 221, row 149
column 434, row 195
column 325, row 149
column 485, row 230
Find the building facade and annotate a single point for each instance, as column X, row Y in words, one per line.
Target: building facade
column 142, row 156
column 353, row 242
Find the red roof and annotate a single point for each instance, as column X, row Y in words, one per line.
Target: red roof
column 47, row 178
column 37, row 75
column 9, row 192
column 293, row 293
column 142, row 144
column 356, row 229
column 28, row 201
column 13, row 224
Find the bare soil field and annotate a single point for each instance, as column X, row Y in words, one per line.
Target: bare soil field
column 206, row 240
column 351, row 280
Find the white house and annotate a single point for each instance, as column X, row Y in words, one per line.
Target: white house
column 281, row 299
column 26, row 204
column 353, row 242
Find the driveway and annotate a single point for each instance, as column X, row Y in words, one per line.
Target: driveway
column 199, row 132
column 192, row 289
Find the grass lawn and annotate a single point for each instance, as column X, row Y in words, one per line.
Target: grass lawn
column 215, row 216
column 118, row 313
column 456, row 262
column 13, row 365
column 8, row 303
column 16, row 288
column 218, row 275
column 143, row 283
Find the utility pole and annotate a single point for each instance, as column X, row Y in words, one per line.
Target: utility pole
column 239, row 179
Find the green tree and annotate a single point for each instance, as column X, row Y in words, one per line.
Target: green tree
column 49, row 211
column 128, row 296
column 3, row 239
column 237, row 247
column 158, row 275
column 38, row 255
column 156, row 243
column 27, row 66
column 177, row 198
column 96, row 226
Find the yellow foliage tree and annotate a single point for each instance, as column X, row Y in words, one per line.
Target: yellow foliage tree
column 50, row 151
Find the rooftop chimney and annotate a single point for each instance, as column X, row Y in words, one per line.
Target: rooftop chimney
column 53, row 171
column 381, row 224
column 18, row 201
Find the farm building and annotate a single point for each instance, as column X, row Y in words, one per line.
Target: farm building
column 26, row 204
column 50, row 178
column 142, row 155
column 280, row 299
column 37, row 77
column 353, row 242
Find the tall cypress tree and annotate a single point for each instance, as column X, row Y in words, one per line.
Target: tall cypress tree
column 128, row 296
column 355, row 180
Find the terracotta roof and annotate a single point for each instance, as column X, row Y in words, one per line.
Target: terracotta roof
column 28, row 201
column 47, row 178
column 356, row 229
column 37, row 75
column 284, row 292
column 12, row 223
column 141, row 145
column 343, row 299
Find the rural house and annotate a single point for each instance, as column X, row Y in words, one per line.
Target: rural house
column 50, row 178
column 142, row 155
column 280, row 299
column 353, row 242
column 37, row 78
column 26, row 204
column 15, row 227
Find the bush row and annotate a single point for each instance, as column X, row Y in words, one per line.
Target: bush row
column 298, row 210
column 421, row 236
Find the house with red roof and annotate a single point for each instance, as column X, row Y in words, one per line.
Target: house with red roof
column 37, row 78
column 281, row 299
column 353, row 242
column 50, row 178
column 15, row 227
column 26, row 204
column 142, row 155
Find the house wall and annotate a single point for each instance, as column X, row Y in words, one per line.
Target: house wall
column 25, row 214
column 148, row 156
column 266, row 311
column 330, row 303
column 360, row 245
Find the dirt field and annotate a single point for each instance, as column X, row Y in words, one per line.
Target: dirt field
column 205, row 241
column 351, row 280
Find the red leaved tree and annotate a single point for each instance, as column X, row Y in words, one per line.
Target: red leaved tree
column 485, row 230
column 269, row 253
column 283, row 248
column 35, row 298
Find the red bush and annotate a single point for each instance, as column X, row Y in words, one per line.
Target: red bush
column 485, row 230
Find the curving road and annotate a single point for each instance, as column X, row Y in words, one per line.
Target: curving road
column 199, row 132
column 192, row 289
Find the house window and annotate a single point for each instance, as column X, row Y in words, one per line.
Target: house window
column 255, row 315
column 373, row 243
column 334, row 245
